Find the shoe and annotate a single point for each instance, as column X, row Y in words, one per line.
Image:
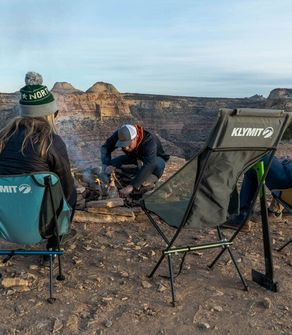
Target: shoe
column 235, row 222
column 273, row 217
column 150, row 181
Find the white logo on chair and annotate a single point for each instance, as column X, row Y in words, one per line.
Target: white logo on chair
column 268, row 132
column 24, row 188
column 253, row 132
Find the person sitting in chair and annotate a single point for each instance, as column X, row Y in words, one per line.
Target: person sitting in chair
column 137, row 144
column 279, row 177
column 29, row 143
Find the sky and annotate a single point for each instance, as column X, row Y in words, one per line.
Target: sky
column 203, row 48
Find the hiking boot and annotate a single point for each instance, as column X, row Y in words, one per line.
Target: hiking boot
column 150, row 182
column 273, row 217
column 234, row 223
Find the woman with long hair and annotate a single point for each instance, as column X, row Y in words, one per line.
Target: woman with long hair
column 30, row 143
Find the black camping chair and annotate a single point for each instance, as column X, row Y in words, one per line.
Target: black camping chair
column 199, row 194
column 33, row 209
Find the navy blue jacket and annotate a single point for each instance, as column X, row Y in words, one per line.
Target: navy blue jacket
column 147, row 151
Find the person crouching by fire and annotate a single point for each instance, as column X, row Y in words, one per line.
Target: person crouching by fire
column 137, row 144
column 29, row 142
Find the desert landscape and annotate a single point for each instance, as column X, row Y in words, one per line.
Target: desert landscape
column 107, row 261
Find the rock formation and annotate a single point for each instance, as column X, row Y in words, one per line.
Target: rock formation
column 101, row 87
column 280, row 93
column 65, row 88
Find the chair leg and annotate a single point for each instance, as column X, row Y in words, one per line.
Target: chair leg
column 60, row 276
column 217, row 258
column 237, row 269
column 51, row 299
column 285, row 245
column 171, row 279
column 156, row 266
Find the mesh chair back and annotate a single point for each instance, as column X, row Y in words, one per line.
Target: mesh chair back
column 199, row 193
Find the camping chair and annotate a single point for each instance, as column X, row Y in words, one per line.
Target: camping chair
column 201, row 194
column 284, row 197
column 33, row 208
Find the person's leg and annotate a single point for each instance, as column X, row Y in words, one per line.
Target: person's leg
column 277, row 178
column 156, row 174
column 248, row 189
column 159, row 167
column 123, row 160
column 279, row 175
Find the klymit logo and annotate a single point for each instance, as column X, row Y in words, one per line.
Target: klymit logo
column 24, row 188
column 266, row 133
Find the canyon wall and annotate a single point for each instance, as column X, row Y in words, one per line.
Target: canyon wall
column 184, row 121
column 86, row 119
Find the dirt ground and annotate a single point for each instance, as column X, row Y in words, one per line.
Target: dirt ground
column 107, row 290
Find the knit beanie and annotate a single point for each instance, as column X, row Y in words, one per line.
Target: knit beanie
column 36, row 100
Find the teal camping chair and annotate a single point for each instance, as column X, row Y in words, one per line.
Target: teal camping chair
column 32, row 209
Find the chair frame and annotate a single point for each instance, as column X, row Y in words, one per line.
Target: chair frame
column 51, row 253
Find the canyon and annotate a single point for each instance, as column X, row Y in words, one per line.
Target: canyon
column 183, row 123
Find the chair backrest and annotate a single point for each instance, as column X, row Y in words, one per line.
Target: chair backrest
column 28, row 203
column 199, row 193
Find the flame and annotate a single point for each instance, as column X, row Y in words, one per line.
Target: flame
column 98, row 181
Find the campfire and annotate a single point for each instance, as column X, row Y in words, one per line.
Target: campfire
column 98, row 197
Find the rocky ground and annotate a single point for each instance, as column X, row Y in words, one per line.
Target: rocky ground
column 107, row 291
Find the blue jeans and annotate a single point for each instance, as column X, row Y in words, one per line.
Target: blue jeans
column 125, row 159
column 278, row 177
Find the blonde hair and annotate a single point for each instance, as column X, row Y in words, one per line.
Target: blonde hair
column 37, row 131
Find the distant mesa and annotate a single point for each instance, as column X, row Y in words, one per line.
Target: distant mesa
column 65, row 88
column 281, row 93
column 257, row 97
column 101, row 87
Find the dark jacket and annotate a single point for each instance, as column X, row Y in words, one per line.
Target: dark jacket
column 12, row 161
column 149, row 148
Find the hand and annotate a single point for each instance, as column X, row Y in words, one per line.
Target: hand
column 126, row 191
column 109, row 169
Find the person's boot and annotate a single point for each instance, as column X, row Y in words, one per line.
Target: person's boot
column 149, row 184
